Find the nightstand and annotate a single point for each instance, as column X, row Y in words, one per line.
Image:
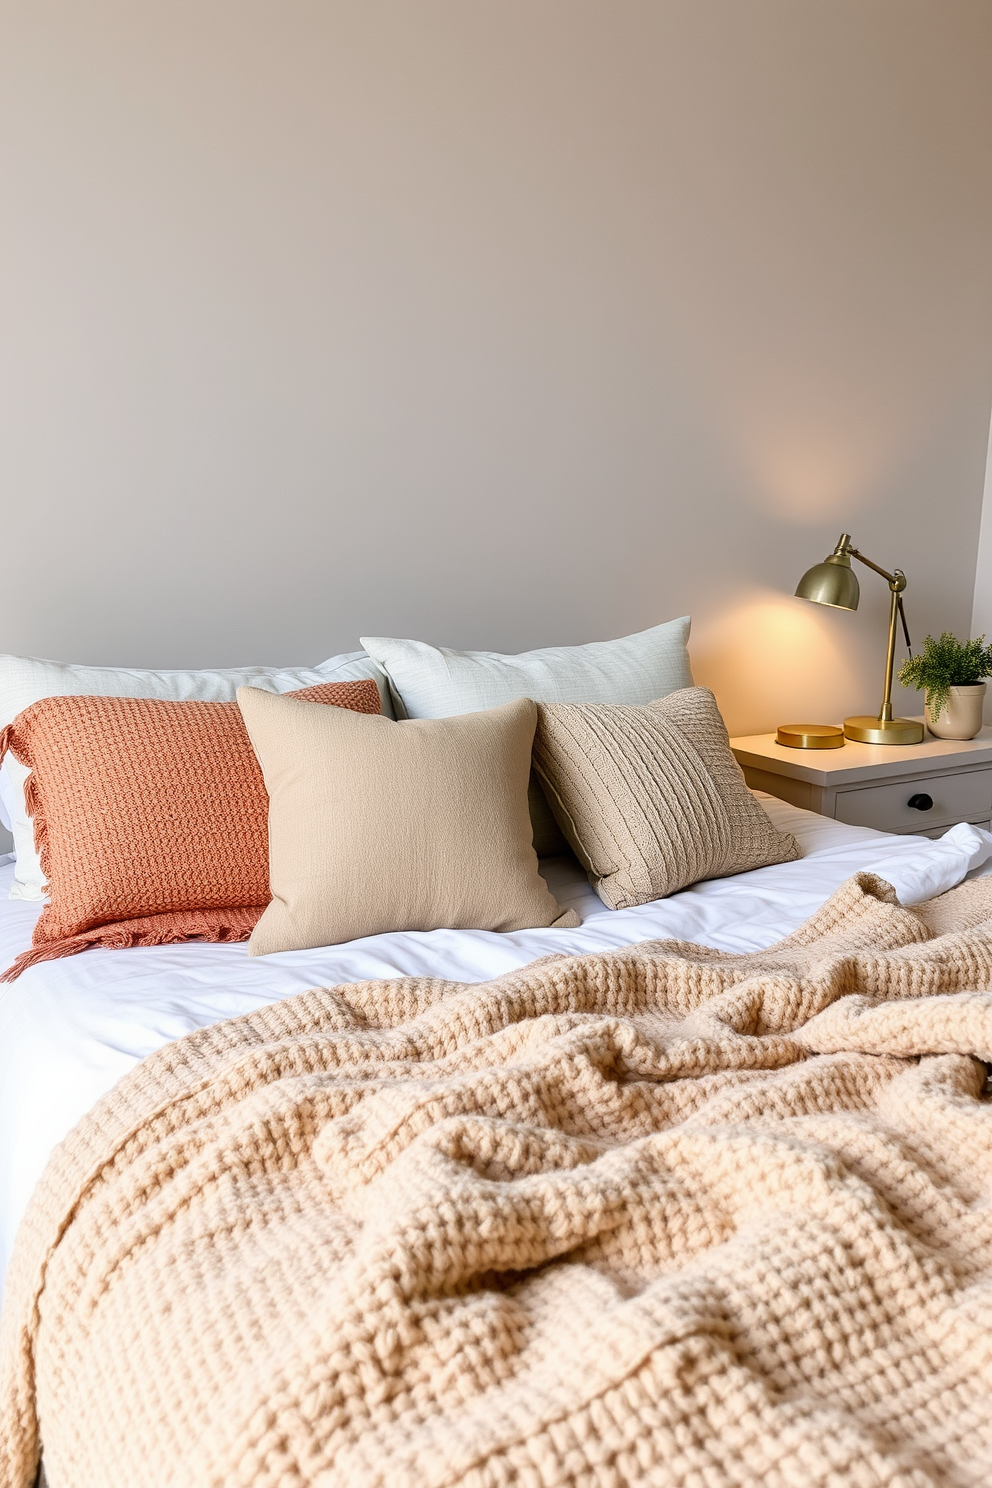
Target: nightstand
column 922, row 788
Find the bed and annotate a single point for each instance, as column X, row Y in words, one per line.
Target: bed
column 664, row 1193
column 70, row 1029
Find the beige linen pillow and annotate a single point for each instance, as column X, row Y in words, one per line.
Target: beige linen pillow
column 420, row 825
column 651, row 798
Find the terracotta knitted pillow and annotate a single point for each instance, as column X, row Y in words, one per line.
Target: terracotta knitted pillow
column 150, row 818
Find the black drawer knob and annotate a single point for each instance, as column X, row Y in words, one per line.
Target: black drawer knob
column 921, row 802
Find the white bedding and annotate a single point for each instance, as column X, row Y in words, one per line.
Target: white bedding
column 69, row 1029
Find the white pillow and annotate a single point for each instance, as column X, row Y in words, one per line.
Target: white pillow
column 26, row 679
column 434, row 682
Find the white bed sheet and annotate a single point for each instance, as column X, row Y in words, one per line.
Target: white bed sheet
column 69, row 1029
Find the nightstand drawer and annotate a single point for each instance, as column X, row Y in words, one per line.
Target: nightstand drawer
column 959, row 797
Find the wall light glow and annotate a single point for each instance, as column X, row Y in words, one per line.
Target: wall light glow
column 805, row 479
column 774, row 659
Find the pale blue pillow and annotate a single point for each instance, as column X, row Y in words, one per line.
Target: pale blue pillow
column 435, row 682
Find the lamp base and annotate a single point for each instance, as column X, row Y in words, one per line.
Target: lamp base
column 810, row 736
column 868, row 730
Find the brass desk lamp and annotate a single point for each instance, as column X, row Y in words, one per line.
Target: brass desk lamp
column 834, row 582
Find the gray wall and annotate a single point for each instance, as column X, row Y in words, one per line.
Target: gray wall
column 494, row 324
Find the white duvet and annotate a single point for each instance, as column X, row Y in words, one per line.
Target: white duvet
column 70, row 1029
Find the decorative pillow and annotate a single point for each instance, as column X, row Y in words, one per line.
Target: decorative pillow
column 26, row 679
column 377, row 826
column 652, row 799
column 150, row 817
column 434, row 682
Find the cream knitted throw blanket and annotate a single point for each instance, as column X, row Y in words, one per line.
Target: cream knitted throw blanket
column 661, row 1216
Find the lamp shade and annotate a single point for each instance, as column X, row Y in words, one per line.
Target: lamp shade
column 833, row 582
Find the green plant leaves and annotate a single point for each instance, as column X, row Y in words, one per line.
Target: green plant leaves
column 944, row 664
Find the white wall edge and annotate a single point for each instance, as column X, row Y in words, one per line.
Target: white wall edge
column 981, row 615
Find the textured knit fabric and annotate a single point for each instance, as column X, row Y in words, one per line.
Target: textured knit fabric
column 149, row 818
column 658, row 1216
column 652, row 799
column 27, row 679
column 376, row 825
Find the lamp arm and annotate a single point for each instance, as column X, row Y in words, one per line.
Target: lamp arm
column 897, row 579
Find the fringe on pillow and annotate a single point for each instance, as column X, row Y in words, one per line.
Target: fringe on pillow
column 208, row 925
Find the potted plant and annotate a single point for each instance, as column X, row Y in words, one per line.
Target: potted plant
column 950, row 672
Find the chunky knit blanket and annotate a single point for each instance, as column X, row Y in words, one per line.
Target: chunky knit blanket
column 662, row 1216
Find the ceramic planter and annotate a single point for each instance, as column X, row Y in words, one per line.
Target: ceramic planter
column 961, row 715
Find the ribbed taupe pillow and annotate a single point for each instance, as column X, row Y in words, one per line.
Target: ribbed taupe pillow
column 651, row 798
column 420, row 825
